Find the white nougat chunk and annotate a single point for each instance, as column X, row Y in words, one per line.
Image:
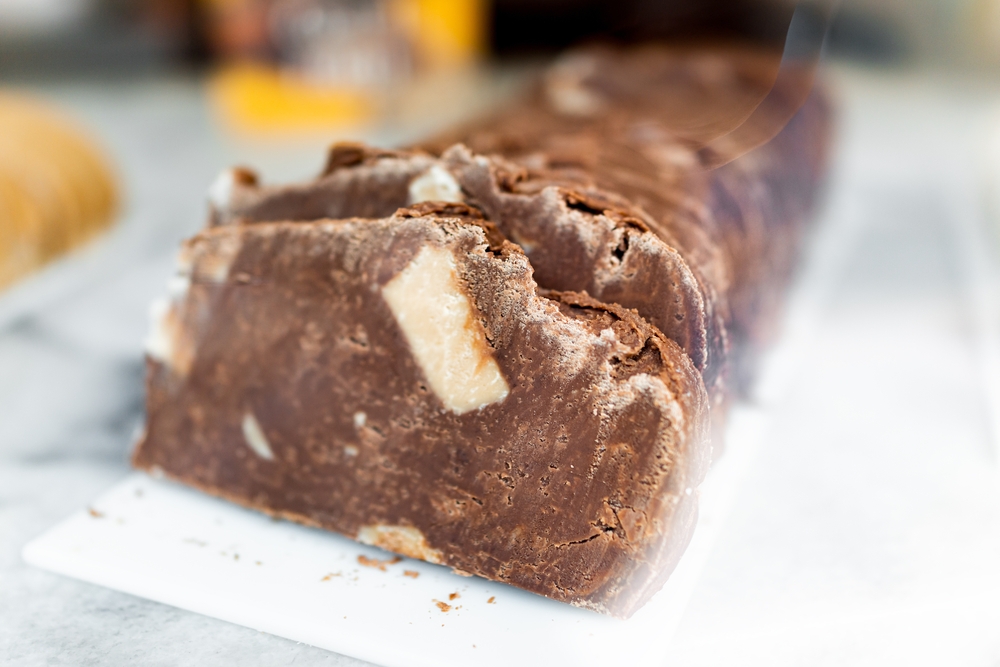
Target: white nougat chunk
column 255, row 438
column 435, row 184
column 446, row 338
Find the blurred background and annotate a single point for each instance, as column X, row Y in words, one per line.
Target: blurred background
column 868, row 525
column 271, row 80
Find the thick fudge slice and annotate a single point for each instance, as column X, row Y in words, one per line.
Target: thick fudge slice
column 403, row 382
column 628, row 121
column 358, row 181
column 578, row 239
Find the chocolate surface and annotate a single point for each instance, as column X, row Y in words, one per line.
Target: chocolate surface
column 500, row 350
column 577, row 238
column 302, row 396
column 358, row 182
column 738, row 226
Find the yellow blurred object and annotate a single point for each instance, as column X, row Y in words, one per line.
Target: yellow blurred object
column 983, row 32
column 56, row 188
column 445, row 33
column 256, row 98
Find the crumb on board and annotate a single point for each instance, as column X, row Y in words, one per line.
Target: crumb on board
column 452, row 596
column 443, row 606
column 236, row 556
column 413, row 574
column 330, row 576
column 258, row 563
column 376, row 563
column 492, row 599
column 94, row 513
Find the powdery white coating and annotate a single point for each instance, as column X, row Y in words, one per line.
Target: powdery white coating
column 571, row 338
column 164, row 326
column 214, row 266
column 435, row 184
column 359, row 419
column 404, row 540
column 620, row 395
column 255, row 438
column 445, row 337
column 159, row 343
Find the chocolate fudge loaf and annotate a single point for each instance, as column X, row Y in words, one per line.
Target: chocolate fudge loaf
column 503, row 349
column 577, row 239
column 404, row 382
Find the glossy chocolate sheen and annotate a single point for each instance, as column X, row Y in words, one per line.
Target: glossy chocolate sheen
column 580, row 484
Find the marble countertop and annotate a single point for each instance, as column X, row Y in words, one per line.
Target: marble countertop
column 866, row 532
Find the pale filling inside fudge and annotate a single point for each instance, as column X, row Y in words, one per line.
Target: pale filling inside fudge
column 165, row 326
column 254, row 435
column 435, row 184
column 405, row 540
column 445, row 336
column 220, row 193
column 167, row 341
column 159, row 343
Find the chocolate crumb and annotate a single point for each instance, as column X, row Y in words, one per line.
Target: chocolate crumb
column 452, row 596
column 94, row 513
column 443, row 606
column 411, row 573
column 331, row 576
column 376, row 563
column 492, row 600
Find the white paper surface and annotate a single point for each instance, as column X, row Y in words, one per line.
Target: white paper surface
column 162, row 541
